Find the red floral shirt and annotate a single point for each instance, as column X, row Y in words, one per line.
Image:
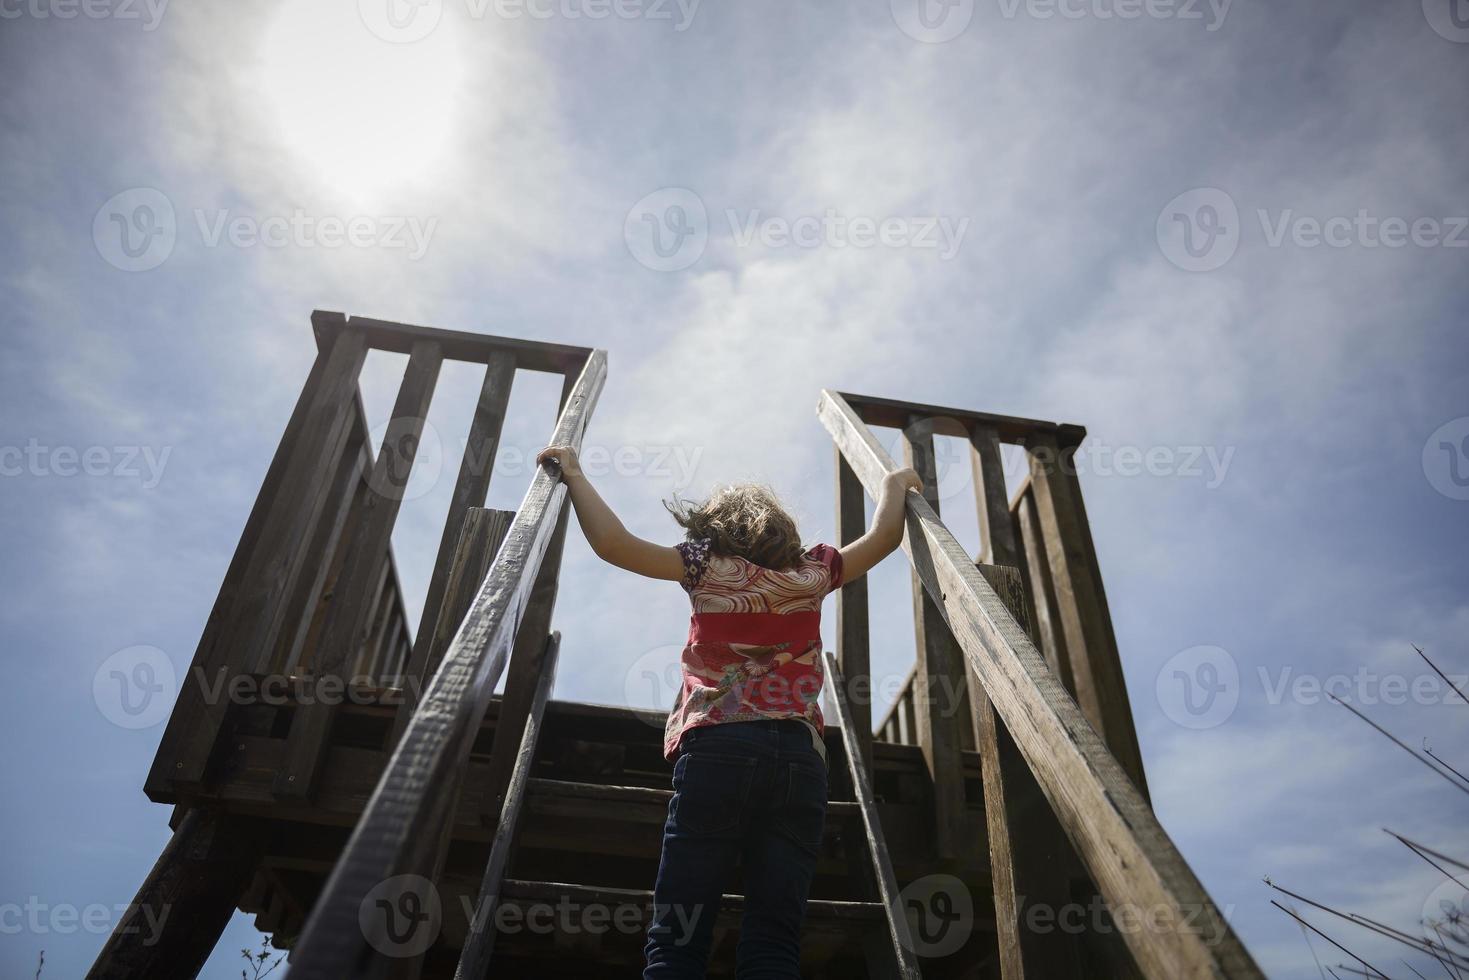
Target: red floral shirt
column 754, row 646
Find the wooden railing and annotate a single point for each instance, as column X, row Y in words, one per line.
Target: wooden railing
column 312, row 593
column 1048, row 760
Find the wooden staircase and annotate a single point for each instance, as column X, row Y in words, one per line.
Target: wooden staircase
column 426, row 827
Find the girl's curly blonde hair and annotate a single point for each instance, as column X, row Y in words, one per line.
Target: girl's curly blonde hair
column 744, row 521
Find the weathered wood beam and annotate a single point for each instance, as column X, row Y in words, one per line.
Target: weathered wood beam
column 474, row 959
column 904, row 952
column 1105, row 816
column 853, row 643
column 419, row 790
column 940, row 672
column 959, row 422
column 461, row 345
column 1031, row 861
column 1084, row 620
column 169, row 930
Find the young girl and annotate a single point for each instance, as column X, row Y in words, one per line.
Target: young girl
column 749, row 775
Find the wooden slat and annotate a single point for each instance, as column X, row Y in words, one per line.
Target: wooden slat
column 294, row 497
column 474, row 959
column 420, row 787
column 471, row 487
column 362, row 571
column 462, row 345
column 904, row 953
column 853, row 651
column 483, row 532
column 959, row 422
column 329, row 533
column 1104, row 815
column 1050, row 638
column 1096, row 666
column 940, row 674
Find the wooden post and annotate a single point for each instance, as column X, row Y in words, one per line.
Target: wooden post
column 1092, row 647
column 171, row 927
column 347, row 625
column 940, row 674
column 853, row 652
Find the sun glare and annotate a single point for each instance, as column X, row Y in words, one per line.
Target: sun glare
column 363, row 113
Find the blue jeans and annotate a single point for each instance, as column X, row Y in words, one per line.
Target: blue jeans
column 748, row 790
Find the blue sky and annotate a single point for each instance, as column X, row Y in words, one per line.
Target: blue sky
column 1090, row 217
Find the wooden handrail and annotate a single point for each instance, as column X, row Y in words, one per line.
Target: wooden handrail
column 1125, row 849
column 401, row 827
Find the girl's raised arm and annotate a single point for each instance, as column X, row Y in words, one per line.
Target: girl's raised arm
column 612, row 542
column 886, row 532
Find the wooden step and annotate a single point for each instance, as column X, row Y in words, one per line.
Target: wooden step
column 640, row 804
column 821, row 915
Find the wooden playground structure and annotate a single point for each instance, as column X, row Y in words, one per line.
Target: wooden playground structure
column 416, row 824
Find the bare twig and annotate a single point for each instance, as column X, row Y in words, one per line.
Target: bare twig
column 1440, row 673
column 1450, row 779
column 1330, row 940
